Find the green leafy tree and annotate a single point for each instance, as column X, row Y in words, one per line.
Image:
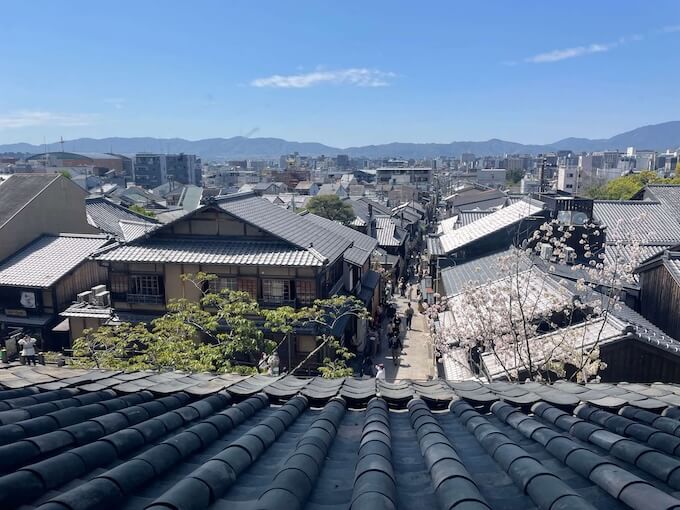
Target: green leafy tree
column 514, row 176
column 66, row 174
column 220, row 332
column 332, row 208
column 325, row 314
column 141, row 210
column 624, row 187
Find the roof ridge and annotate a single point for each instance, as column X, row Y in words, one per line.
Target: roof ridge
column 626, row 202
column 234, row 196
column 76, row 234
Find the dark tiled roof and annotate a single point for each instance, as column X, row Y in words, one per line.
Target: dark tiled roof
column 477, row 199
column 479, row 271
column 213, row 251
column 388, row 233
column 362, row 241
column 49, row 258
column 333, row 444
column 19, row 190
column 284, row 224
column 114, row 219
column 356, row 256
column 360, row 208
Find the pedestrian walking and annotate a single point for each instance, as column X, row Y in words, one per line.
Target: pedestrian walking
column 396, row 348
column 409, row 316
column 380, row 371
column 397, row 324
column 402, row 287
column 27, row 344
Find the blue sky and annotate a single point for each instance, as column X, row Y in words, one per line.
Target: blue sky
column 342, row 73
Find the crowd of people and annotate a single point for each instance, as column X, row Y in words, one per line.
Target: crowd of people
column 389, row 326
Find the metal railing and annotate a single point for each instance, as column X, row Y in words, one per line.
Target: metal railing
column 145, row 299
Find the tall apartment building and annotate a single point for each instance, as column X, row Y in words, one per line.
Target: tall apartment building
column 568, row 177
column 152, row 170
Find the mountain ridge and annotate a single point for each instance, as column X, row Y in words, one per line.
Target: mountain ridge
column 660, row 136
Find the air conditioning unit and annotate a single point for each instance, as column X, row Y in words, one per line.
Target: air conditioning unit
column 84, row 297
column 98, row 288
column 103, row 299
column 570, row 255
column 546, row 251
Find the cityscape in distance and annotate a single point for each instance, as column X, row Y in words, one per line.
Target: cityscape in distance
column 657, row 137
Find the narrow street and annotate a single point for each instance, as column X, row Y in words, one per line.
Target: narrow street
column 417, row 359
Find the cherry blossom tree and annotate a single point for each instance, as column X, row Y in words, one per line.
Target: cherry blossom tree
column 530, row 322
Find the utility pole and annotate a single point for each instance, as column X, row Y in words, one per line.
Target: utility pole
column 541, row 176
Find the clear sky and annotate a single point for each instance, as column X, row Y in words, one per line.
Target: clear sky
column 339, row 72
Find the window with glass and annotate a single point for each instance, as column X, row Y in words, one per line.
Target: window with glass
column 222, row 283
column 248, row 285
column 305, row 291
column 145, row 285
column 276, row 291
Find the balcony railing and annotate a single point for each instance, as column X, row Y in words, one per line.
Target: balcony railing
column 273, row 302
column 144, row 299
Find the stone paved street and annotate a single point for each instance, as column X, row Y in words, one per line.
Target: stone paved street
column 417, row 360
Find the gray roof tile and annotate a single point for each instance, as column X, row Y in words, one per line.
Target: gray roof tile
column 284, row 224
column 638, row 220
column 489, row 225
column 49, row 258
column 114, row 219
column 141, row 451
column 212, row 251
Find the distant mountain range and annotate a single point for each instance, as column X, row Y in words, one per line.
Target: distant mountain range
column 658, row 137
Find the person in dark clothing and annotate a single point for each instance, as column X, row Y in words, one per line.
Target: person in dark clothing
column 396, row 346
column 397, row 323
column 409, row 316
column 402, row 288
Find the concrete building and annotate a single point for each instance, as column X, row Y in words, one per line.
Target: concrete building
column 152, row 170
column 568, row 178
column 529, row 184
column 420, row 178
column 491, row 177
column 645, row 160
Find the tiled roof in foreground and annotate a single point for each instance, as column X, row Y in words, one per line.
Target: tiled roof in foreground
column 268, row 443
